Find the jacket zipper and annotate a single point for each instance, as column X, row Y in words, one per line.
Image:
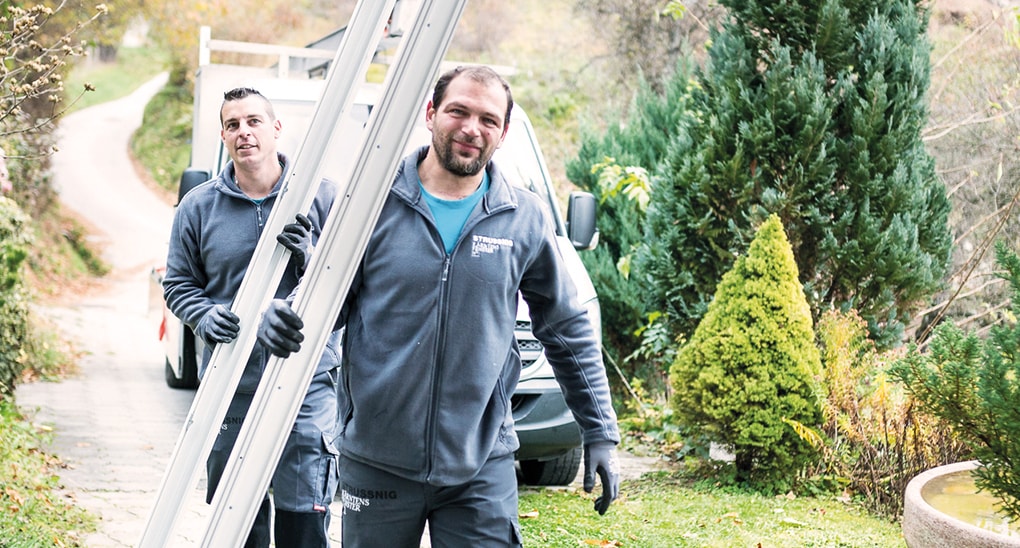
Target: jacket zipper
column 444, row 289
column 430, row 427
column 258, row 214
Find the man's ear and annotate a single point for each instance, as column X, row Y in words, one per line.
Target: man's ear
column 430, row 114
column 277, row 126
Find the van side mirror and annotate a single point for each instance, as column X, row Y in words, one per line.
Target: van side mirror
column 581, row 229
column 189, row 180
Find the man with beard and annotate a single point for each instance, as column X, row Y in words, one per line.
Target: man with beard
column 430, row 359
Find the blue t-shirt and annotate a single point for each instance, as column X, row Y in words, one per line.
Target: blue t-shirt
column 450, row 215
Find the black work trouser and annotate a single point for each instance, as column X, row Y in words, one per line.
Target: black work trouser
column 387, row 511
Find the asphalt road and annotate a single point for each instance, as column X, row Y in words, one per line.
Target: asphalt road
column 117, row 423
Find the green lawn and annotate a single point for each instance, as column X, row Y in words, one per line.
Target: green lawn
column 664, row 510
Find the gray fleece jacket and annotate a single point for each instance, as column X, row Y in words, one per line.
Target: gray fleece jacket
column 430, row 359
column 215, row 230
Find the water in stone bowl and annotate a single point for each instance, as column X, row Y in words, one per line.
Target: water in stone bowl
column 955, row 494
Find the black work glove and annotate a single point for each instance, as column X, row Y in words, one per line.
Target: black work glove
column 280, row 329
column 219, row 325
column 601, row 457
column 297, row 237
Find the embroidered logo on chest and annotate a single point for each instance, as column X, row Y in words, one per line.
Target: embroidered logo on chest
column 487, row 245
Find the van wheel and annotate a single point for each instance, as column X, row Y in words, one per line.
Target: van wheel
column 558, row 471
column 189, row 378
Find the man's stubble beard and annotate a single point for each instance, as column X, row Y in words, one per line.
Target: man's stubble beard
column 454, row 165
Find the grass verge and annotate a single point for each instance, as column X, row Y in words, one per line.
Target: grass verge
column 113, row 80
column 162, row 144
column 33, row 510
column 71, row 261
column 34, row 513
column 668, row 510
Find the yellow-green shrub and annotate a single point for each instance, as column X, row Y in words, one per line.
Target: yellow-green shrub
column 752, row 365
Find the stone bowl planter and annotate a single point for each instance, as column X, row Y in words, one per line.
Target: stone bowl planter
column 925, row 526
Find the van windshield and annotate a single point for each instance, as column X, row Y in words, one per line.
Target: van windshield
column 520, row 161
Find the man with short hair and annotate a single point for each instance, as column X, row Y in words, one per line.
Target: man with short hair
column 430, row 358
column 215, row 231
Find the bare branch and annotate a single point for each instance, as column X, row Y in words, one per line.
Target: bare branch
column 972, row 264
column 975, row 317
column 969, row 121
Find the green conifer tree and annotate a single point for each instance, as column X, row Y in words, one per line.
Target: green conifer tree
column 752, row 364
column 642, row 142
column 811, row 111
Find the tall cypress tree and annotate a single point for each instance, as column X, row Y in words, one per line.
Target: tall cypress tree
column 811, row 111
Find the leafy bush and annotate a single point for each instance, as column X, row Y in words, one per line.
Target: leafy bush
column 599, row 168
column 14, row 243
column 752, row 364
column 974, row 384
column 874, row 439
column 649, row 426
column 30, row 173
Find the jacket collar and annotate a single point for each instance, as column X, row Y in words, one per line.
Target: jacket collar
column 229, row 181
column 501, row 194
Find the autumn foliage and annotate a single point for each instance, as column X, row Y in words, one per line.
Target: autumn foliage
column 874, row 438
